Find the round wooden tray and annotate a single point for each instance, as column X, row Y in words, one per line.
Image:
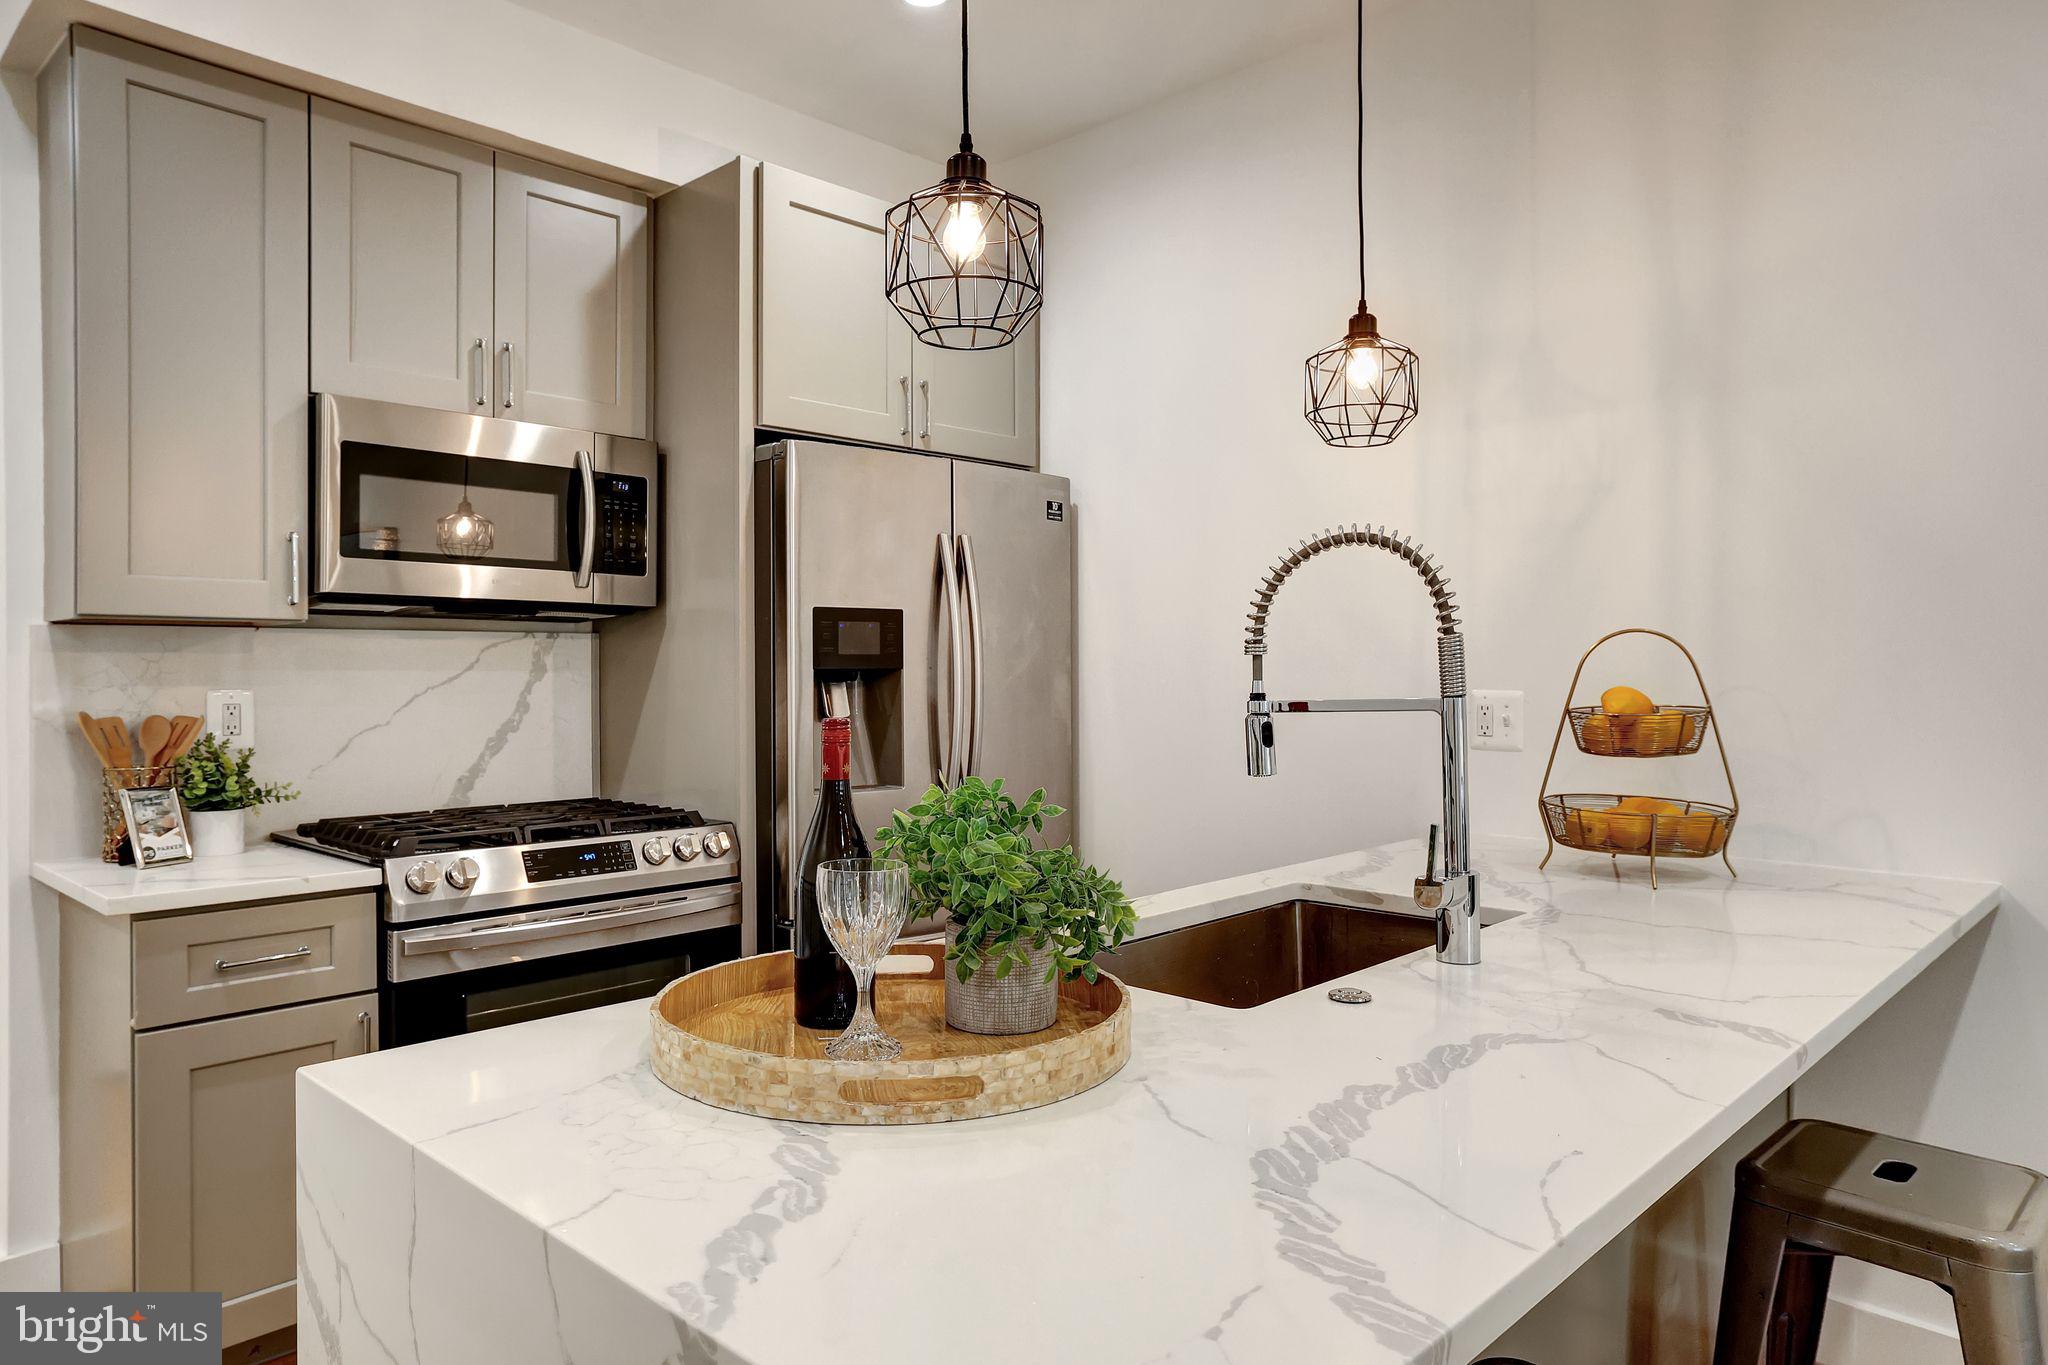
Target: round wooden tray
column 727, row 1035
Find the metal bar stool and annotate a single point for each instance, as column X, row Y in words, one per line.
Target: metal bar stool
column 1816, row 1191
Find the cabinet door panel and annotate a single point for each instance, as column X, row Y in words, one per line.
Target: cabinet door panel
column 572, row 300
column 191, row 283
column 834, row 357
column 214, row 1150
column 401, row 261
column 982, row 403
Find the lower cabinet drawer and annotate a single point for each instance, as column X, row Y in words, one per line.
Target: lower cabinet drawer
column 215, row 1152
column 253, row 957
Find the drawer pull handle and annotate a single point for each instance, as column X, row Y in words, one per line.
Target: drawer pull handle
column 221, row 964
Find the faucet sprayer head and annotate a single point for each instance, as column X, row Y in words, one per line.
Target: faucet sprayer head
column 1260, row 759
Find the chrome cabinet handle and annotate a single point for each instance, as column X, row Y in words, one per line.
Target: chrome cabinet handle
column 973, row 605
column 221, row 964
column 587, row 472
column 291, row 553
column 476, row 372
column 955, row 750
column 363, row 1018
column 904, row 380
column 505, row 371
column 924, row 389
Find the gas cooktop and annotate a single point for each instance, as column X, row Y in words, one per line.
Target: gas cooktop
column 377, row 838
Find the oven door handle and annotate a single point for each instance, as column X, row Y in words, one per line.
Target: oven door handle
column 488, row 935
column 586, row 472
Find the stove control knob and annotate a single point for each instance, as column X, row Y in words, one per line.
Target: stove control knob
column 686, row 847
column 423, row 876
column 717, row 843
column 462, row 873
column 654, row 851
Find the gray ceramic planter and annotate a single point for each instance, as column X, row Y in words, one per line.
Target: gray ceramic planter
column 1022, row 1002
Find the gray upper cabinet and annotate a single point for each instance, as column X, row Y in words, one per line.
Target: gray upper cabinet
column 401, row 262
column 176, row 279
column 836, row 360
column 981, row 403
column 572, row 300
column 834, row 357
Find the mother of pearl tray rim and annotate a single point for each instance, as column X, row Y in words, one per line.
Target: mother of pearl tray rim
column 727, row 1036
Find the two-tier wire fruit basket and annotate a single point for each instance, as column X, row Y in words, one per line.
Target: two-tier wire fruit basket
column 1638, row 826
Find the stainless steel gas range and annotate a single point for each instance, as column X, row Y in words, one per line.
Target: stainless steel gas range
column 492, row 915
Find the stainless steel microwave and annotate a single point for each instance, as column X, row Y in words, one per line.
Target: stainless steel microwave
column 422, row 512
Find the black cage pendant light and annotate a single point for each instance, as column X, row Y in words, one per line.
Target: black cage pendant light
column 965, row 258
column 1361, row 391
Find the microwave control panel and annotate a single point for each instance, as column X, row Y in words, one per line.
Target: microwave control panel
column 622, row 524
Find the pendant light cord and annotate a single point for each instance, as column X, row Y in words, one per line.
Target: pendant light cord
column 966, row 141
column 1361, row 143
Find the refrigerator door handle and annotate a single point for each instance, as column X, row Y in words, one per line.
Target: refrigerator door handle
column 973, row 595
column 956, row 713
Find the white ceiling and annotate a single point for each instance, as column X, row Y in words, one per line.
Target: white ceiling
column 1043, row 69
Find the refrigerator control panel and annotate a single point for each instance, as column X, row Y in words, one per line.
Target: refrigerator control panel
column 856, row 639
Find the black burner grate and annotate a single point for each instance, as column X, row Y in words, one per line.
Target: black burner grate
column 533, row 822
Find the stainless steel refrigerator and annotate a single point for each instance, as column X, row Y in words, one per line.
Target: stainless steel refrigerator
column 929, row 599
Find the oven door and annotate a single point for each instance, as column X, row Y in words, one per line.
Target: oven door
column 416, row 505
column 468, row 975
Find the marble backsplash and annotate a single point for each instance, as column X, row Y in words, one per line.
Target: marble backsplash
column 360, row 721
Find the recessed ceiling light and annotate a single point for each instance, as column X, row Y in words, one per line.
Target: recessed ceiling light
column 925, row 4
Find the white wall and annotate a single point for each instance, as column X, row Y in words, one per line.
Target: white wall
column 1729, row 317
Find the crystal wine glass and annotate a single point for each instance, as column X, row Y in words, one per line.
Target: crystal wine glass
column 863, row 902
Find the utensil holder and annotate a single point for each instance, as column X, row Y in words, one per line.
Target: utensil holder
column 113, row 824
column 1590, row 822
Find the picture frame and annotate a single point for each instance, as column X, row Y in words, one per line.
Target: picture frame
column 156, row 826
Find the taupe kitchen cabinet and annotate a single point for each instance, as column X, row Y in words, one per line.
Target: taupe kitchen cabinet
column 836, row 360
column 402, row 274
column 572, row 299
column 449, row 276
column 175, row 276
column 179, row 1038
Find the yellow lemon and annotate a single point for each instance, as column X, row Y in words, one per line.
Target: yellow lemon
column 1658, row 734
column 1693, row 833
column 1589, row 827
column 1626, row 701
column 1596, row 734
column 1628, row 831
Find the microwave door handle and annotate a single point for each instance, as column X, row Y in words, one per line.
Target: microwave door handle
column 973, row 607
column 955, row 759
column 586, row 474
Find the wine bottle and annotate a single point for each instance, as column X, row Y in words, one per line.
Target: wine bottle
column 825, row 994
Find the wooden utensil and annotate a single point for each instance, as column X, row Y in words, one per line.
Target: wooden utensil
column 155, row 734
column 92, row 736
column 119, row 743
column 185, row 732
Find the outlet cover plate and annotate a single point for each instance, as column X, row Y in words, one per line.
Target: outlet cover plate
column 1496, row 721
column 231, row 716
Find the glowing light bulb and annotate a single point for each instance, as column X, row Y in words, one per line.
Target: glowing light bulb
column 965, row 234
column 1362, row 366
column 463, row 526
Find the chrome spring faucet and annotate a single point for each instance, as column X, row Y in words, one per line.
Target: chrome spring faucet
column 1454, row 896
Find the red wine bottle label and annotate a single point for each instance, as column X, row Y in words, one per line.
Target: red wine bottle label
column 838, row 748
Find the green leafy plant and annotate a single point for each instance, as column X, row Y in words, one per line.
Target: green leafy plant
column 214, row 777
column 974, row 857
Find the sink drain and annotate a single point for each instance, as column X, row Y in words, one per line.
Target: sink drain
column 1350, row 995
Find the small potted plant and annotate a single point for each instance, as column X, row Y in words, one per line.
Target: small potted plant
column 214, row 782
column 1019, row 916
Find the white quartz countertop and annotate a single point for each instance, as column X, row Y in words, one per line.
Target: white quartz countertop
column 266, row 871
column 1303, row 1181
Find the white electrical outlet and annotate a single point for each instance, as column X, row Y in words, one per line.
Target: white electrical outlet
column 231, row 716
column 1496, row 720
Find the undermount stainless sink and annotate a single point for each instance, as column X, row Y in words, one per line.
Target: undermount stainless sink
column 1259, row 955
